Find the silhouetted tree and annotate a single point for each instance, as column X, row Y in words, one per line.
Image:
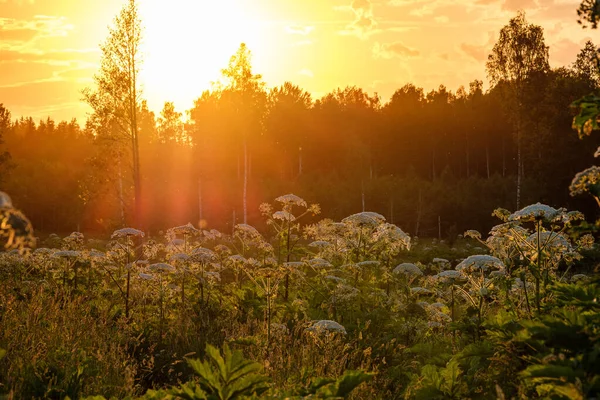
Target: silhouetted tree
column 116, row 99
column 519, row 53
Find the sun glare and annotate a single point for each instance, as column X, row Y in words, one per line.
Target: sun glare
column 188, row 42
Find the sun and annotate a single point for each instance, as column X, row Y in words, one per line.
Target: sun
column 187, row 43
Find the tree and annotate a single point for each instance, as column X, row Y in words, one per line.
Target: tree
column 589, row 13
column 4, row 127
column 587, row 64
column 170, row 126
column 246, row 98
column 116, row 100
column 519, row 53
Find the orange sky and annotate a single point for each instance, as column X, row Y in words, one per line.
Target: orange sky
column 49, row 48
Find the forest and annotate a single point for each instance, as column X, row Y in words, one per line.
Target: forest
column 268, row 244
column 432, row 162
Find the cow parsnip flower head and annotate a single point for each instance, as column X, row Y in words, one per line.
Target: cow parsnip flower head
column 326, row 326
column 319, row 244
column 418, row 290
column 580, row 278
column 283, row 216
column 66, row 254
column 536, row 212
column 480, row 263
column 203, row 255
column 408, row 269
column 368, row 263
column 587, row 180
column 126, row 232
column 319, row 263
column 392, row 236
column 5, row 201
column 450, row 275
column 291, row 200
column 162, row 267
column 368, row 218
column 179, row 257
column 95, row 254
column 187, row 229
column 473, row 234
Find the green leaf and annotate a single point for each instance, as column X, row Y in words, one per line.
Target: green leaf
column 350, row 380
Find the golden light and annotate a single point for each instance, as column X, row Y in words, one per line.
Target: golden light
column 188, row 42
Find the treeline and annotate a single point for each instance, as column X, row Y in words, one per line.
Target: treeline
column 423, row 160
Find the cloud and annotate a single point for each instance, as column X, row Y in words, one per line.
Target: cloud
column 476, row 52
column 56, row 57
column 392, row 50
column 301, row 43
column 442, row 19
column 515, row 5
column 364, row 24
column 306, row 72
column 16, row 30
column 299, row 30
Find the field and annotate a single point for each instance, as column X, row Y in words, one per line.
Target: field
column 354, row 309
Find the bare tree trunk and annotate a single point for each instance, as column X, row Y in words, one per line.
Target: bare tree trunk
column 362, row 194
column 121, row 201
column 487, row 160
column 200, row 210
column 245, row 181
column 433, row 164
column 519, row 165
column 419, row 208
column 503, row 158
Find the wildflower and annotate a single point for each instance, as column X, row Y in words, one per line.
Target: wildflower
column 203, row 255
column 535, row 212
column 291, row 199
column 479, row 263
column 67, row 254
column 408, row 269
column 187, row 229
column 449, row 275
column 364, row 218
column 420, row 290
column 126, row 232
column 368, row 263
column 179, row 257
column 586, row 181
column 326, row 326
column 283, row 215
column 293, row 264
column 5, row 201
column 236, row 258
column 161, row 267
column 319, row 244
column 579, row 278
column 319, row 263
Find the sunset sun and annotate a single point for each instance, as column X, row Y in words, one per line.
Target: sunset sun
column 187, row 43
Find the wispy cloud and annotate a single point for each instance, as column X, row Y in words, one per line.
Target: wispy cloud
column 393, row 50
column 364, row 24
column 306, row 72
column 299, row 30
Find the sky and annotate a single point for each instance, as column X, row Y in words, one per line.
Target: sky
column 49, row 49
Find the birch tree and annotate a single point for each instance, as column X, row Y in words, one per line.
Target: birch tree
column 246, row 98
column 115, row 100
column 519, row 53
